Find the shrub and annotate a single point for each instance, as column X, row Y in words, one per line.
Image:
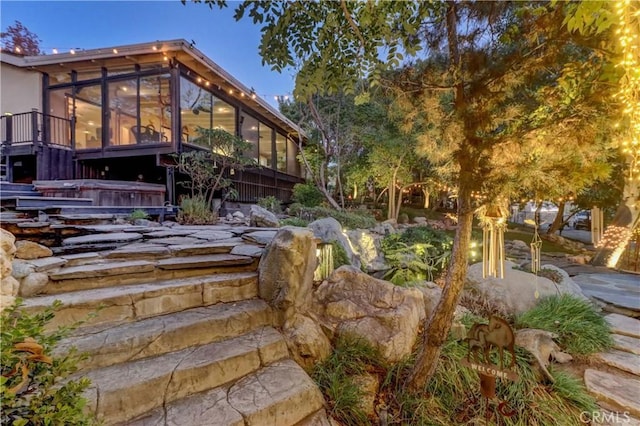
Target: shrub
column 418, row 253
column 138, row 214
column 307, row 194
column 270, row 203
column 46, row 399
column 339, row 255
column 357, row 219
column 581, row 330
column 195, row 211
column 294, row 221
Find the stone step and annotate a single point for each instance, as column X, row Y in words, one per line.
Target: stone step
column 624, row 361
column 617, row 390
column 280, row 394
column 206, row 261
column 132, row 302
column 167, row 333
column 626, row 343
column 106, row 273
column 624, row 325
column 125, row 391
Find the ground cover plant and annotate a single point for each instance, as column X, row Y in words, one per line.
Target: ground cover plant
column 452, row 396
column 349, row 219
column 195, row 211
column 581, row 330
column 33, row 388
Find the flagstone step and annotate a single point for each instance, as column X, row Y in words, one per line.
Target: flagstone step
column 206, row 261
column 617, row 390
column 124, row 391
column 624, row 325
column 279, row 394
column 104, row 273
column 624, row 361
column 626, row 343
column 167, row 333
column 131, row 302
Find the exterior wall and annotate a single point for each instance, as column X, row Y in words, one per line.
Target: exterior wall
column 21, row 89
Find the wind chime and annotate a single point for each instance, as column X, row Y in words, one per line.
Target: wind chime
column 494, row 221
column 536, row 245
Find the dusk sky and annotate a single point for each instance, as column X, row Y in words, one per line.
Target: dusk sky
column 64, row 25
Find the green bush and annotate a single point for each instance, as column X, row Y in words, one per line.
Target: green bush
column 294, row 221
column 339, row 255
column 419, row 253
column 581, row 330
column 270, row 203
column 138, row 214
column 307, row 194
column 46, row 399
column 357, row 219
column 195, row 211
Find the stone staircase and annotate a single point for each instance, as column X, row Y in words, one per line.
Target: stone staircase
column 178, row 335
column 616, row 385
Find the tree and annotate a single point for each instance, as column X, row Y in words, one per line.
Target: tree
column 479, row 89
column 18, row 39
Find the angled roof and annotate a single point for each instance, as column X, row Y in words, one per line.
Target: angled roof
column 152, row 52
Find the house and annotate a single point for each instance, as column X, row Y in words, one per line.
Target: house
column 121, row 113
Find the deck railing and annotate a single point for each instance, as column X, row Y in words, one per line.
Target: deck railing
column 36, row 128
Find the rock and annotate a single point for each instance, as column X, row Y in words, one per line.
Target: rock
column 626, row 343
column 8, row 285
column 260, row 237
column 229, row 216
column 368, row 385
column 329, row 230
column 30, row 250
column 431, row 294
column 263, row 218
column 102, row 238
column 624, row 325
column 519, row 245
column 238, row 215
column 286, row 271
column 247, row 250
column 567, row 285
column 458, row 330
column 353, row 303
column 541, row 345
column 420, row 220
column 145, row 222
column 47, row 263
column 624, row 361
column 385, row 228
column 21, row 269
column 366, row 246
column 515, row 293
column 306, row 341
column 33, row 284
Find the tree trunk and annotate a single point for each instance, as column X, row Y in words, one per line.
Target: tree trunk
column 435, row 334
column 558, row 221
column 425, row 193
column 626, row 219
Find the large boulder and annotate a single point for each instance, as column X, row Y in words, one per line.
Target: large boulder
column 306, row 341
column 517, row 292
column 8, row 285
column 286, row 271
column 33, row 284
column 30, row 250
column 366, row 245
column 262, row 218
column 329, row 230
column 353, row 303
column 431, row 293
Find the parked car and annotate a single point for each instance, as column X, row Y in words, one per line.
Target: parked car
column 582, row 220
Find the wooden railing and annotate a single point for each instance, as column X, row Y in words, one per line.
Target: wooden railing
column 36, row 128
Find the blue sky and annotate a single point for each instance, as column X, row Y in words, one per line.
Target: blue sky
column 92, row 24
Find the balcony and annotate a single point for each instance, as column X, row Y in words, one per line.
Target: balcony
column 26, row 132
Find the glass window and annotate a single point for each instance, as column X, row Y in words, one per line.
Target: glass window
column 224, row 116
column 155, row 109
column 281, row 153
column 250, row 134
column 61, row 102
column 88, row 112
column 123, row 108
column 265, row 146
column 195, row 109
